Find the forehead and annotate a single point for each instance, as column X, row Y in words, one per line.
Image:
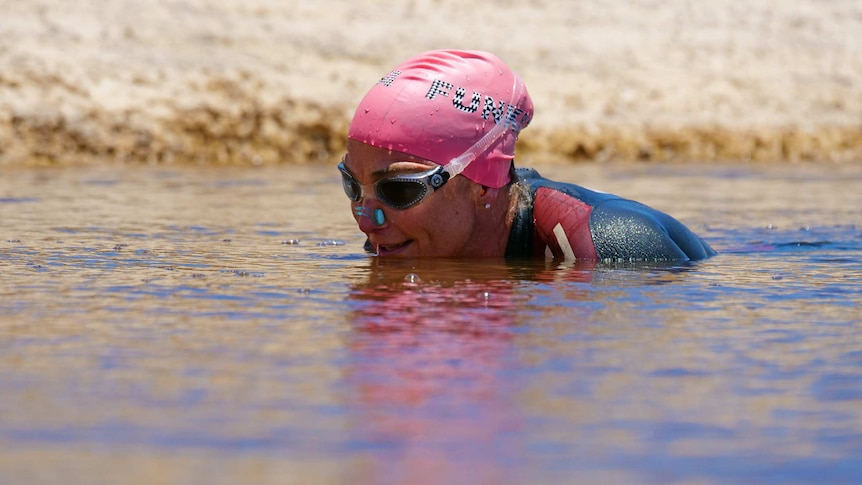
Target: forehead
column 363, row 159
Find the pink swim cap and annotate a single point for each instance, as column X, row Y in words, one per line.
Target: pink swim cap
column 440, row 103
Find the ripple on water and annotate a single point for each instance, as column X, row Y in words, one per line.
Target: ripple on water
column 146, row 317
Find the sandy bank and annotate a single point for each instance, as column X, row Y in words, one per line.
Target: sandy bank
column 266, row 81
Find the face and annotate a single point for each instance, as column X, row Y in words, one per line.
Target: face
column 442, row 224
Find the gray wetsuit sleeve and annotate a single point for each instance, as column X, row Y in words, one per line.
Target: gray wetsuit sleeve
column 624, row 230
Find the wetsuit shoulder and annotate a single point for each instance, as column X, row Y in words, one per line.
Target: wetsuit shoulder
column 574, row 222
column 553, row 218
column 625, row 230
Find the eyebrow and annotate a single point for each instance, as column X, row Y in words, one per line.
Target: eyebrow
column 384, row 172
column 378, row 174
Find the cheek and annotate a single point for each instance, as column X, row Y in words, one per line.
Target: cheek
column 442, row 224
column 447, row 225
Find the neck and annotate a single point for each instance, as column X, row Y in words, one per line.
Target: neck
column 493, row 225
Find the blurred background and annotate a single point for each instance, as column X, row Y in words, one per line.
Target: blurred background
column 255, row 82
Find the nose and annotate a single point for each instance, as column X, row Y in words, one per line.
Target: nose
column 370, row 216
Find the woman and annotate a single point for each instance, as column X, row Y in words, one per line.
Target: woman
column 429, row 170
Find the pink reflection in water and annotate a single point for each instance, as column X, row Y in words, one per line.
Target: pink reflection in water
column 434, row 354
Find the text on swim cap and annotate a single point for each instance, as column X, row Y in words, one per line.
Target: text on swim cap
column 388, row 79
column 499, row 109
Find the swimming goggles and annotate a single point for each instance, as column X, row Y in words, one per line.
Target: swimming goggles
column 404, row 191
column 399, row 191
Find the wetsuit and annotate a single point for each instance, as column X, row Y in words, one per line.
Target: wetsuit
column 572, row 222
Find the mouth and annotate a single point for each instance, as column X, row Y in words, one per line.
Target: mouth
column 393, row 249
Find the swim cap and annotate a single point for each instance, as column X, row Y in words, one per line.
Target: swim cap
column 438, row 104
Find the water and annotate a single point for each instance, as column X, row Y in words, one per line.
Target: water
column 194, row 325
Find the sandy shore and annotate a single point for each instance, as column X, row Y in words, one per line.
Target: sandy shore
column 267, row 81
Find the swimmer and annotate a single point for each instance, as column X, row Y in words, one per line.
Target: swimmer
column 430, row 172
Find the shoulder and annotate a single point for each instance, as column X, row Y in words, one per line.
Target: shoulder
column 590, row 224
column 531, row 178
column 560, row 215
column 627, row 230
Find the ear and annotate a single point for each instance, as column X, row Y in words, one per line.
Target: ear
column 486, row 194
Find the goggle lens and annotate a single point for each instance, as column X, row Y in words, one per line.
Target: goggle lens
column 401, row 194
column 351, row 187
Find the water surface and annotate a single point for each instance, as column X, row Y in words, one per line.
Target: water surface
column 190, row 325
